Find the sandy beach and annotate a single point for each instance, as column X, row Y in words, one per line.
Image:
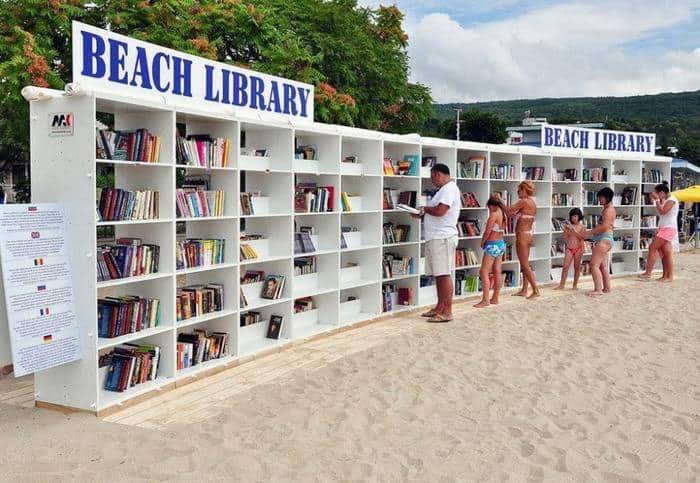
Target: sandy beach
column 565, row 388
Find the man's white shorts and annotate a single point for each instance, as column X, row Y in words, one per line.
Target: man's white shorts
column 440, row 256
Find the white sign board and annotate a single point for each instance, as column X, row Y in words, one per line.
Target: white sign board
column 109, row 62
column 38, row 288
column 602, row 140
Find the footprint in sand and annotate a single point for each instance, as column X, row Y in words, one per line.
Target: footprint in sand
column 515, row 432
column 527, row 450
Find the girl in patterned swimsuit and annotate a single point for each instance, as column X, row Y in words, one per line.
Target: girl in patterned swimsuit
column 494, row 247
column 574, row 236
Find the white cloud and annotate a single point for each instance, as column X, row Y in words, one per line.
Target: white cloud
column 582, row 48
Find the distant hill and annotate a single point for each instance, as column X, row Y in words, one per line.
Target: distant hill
column 683, row 107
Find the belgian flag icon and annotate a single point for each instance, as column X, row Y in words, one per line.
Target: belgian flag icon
column 38, row 261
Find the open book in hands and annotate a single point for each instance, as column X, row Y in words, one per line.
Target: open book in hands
column 408, row 209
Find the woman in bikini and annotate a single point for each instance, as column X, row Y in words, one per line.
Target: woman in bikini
column 494, row 247
column 666, row 235
column 524, row 212
column 573, row 234
column 602, row 240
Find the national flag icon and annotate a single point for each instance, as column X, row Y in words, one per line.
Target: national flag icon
column 44, row 311
column 40, row 288
column 38, row 261
column 31, row 208
column 48, row 338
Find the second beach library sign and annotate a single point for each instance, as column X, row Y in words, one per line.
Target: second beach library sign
column 105, row 61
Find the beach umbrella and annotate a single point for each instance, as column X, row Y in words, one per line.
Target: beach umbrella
column 689, row 195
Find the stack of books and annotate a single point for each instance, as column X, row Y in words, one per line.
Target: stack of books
column 203, row 150
column 303, row 243
column 128, row 257
column 503, row 171
column 597, row 175
column 466, row 257
column 407, row 167
column 123, row 205
column 249, row 318
column 651, row 175
column 396, row 265
column 247, row 206
column 472, row 168
column 309, row 198
column 200, row 346
column 199, row 253
column 252, row 276
column 195, row 203
column 533, row 173
column 197, row 300
column 566, row 175
column 395, row 233
column 468, row 228
column 127, row 314
column 469, row 200
column 304, row 304
column 304, row 265
column 133, row 145
column 563, row 199
column 130, row 365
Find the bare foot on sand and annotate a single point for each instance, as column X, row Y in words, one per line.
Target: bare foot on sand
column 494, row 301
column 482, row 304
column 594, row 293
column 520, row 294
column 558, row 287
column 533, row 295
column 664, row 280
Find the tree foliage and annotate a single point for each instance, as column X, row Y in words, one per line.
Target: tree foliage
column 474, row 126
column 355, row 56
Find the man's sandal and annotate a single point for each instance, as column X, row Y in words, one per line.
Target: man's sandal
column 438, row 318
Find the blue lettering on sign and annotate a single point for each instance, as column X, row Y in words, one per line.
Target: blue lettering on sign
column 548, row 136
column 565, row 137
column 113, row 58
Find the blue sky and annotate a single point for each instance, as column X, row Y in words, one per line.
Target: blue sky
column 472, row 50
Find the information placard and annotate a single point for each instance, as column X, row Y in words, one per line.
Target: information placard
column 38, row 288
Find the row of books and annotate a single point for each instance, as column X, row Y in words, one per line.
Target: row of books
column 116, row 204
column 310, row 198
column 252, row 276
column 566, row 175
column 648, row 221
column 404, row 296
column 533, row 173
column 470, row 200
column 247, row 252
column 130, row 365
column 249, row 318
column 197, row 300
column 128, row 145
column 196, row 203
column 426, row 281
column 407, row 167
column 304, row 304
column 197, row 252
column 393, row 233
column 128, row 257
column 393, row 197
column 308, row 152
column 590, row 198
column 652, row 175
column 200, row 346
column 397, row 265
column 473, row 167
column 563, row 199
column 247, row 205
column 503, row 171
column 304, row 265
column 466, row 283
column 465, row 257
column 203, row 150
column 303, row 243
column 468, row 228
column 428, row 161
column 598, row 175
column 627, row 197
column 127, row 314
column 274, row 325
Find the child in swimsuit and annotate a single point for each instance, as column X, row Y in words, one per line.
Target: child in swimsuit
column 574, row 236
column 494, row 247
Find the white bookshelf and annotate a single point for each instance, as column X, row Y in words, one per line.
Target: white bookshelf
column 347, row 288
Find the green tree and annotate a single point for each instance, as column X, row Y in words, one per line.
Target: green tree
column 355, row 56
column 476, row 126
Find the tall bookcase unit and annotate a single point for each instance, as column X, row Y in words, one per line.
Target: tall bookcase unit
column 349, row 285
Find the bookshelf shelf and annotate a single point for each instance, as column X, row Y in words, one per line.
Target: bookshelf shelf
column 103, row 343
column 350, row 286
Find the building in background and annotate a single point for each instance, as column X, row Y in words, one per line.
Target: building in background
column 684, row 174
column 530, row 133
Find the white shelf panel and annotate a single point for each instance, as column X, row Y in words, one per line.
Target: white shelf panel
column 116, row 162
column 311, row 292
column 357, row 318
column 134, row 222
column 105, row 343
column 358, row 283
column 203, row 366
column 206, row 268
column 399, row 277
column 203, row 168
column 400, row 244
column 317, row 213
column 207, row 218
column 128, row 280
column 259, row 345
column 266, row 215
column 205, row 318
column 355, row 249
column 266, row 259
column 311, row 330
column 258, row 303
column 110, row 398
column 313, row 254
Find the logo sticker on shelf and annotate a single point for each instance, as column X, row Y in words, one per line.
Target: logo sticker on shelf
column 61, row 124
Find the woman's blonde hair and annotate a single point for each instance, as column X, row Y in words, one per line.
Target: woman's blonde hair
column 527, row 187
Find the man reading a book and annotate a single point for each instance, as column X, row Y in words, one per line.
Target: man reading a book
column 440, row 223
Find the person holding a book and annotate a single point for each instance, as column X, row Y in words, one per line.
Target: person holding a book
column 665, row 241
column 440, row 223
column 602, row 240
column 524, row 212
column 494, row 247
